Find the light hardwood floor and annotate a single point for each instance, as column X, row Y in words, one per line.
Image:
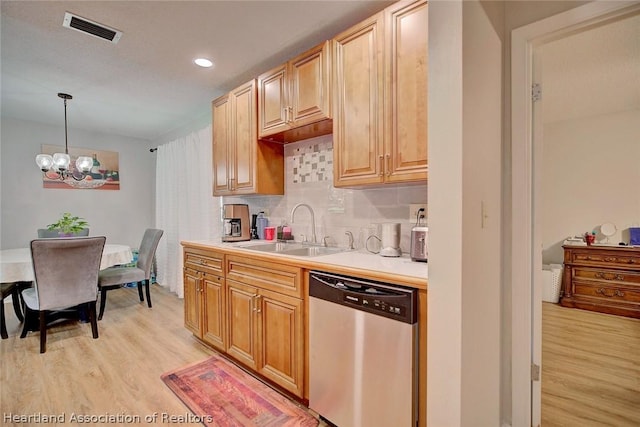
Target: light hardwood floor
column 117, row 374
column 590, row 368
column 590, row 374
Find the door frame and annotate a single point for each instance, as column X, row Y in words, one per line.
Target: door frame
column 526, row 236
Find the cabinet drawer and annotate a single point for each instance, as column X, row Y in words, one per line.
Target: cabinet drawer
column 281, row 278
column 617, row 277
column 606, row 259
column 210, row 262
column 611, row 292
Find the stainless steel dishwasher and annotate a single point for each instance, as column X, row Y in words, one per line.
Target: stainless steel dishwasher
column 363, row 360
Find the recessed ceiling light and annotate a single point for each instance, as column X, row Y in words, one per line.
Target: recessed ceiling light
column 203, row 62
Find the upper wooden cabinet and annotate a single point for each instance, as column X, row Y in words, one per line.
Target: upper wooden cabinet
column 380, row 98
column 241, row 163
column 296, row 96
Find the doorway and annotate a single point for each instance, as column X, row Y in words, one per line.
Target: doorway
column 527, row 238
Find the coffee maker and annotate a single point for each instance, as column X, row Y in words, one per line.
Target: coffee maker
column 235, row 223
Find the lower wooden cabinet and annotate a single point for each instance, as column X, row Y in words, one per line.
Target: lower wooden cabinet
column 266, row 320
column 204, row 297
column 251, row 310
column 266, row 334
column 243, row 323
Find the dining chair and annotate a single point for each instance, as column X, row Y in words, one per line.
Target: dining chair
column 66, row 277
column 118, row 276
column 45, row 233
column 7, row 289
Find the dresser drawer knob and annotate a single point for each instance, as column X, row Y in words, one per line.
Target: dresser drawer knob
column 614, row 293
column 609, row 276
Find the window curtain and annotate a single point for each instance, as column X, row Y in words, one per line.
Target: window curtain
column 185, row 207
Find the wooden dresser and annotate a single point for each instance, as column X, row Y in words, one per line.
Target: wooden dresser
column 602, row 278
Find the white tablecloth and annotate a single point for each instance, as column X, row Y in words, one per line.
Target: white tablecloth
column 16, row 266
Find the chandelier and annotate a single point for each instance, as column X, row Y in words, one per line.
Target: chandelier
column 59, row 167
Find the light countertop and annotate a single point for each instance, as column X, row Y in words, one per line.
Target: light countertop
column 348, row 262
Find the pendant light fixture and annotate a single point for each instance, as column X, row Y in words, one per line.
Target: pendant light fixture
column 59, row 166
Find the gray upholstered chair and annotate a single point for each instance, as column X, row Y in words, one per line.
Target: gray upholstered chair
column 66, row 276
column 45, row 233
column 7, row 289
column 118, row 276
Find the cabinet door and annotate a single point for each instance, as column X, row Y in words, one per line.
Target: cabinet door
column 192, row 301
column 309, row 94
column 282, row 337
column 358, row 111
column 221, row 115
column 242, row 321
column 406, row 92
column 273, row 101
column 214, row 309
column 243, row 112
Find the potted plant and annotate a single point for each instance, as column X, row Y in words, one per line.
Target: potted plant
column 68, row 225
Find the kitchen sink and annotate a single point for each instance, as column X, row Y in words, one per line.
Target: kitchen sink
column 293, row 249
column 273, row 247
column 313, row 251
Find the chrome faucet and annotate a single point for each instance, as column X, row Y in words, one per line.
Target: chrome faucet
column 350, row 234
column 313, row 219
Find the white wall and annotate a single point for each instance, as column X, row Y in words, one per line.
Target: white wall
column 444, row 325
column 481, row 214
column 591, row 174
column 120, row 215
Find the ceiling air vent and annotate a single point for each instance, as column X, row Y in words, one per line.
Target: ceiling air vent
column 86, row 26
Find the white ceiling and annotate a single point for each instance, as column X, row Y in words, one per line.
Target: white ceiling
column 146, row 85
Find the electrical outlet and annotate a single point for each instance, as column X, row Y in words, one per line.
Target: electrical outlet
column 413, row 211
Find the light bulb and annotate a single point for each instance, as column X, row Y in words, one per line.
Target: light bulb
column 44, row 161
column 61, row 161
column 84, row 164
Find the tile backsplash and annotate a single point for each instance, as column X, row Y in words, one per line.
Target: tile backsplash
column 309, row 179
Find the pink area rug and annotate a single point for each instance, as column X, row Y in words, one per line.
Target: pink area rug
column 221, row 394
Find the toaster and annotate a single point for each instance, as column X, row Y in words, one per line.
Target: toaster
column 419, row 243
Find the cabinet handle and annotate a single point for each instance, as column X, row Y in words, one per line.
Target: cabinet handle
column 609, row 276
column 253, row 301
column 381, row 165
column 611, row 259
column 285, row 114
column 290, row 114
column 256, row 306
column 616, row 293
column 388, row 164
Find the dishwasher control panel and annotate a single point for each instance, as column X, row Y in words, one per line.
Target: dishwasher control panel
column 375, row 304
column 383, row 299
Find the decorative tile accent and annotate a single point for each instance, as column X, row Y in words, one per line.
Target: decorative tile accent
column 312, row 161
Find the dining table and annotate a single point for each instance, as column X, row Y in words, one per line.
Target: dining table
column 16, row 264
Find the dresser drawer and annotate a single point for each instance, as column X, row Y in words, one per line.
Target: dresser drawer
column 618, row 277
column 610, row 292
column 624, row 260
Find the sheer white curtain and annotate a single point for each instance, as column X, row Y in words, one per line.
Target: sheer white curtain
column 185, row 207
